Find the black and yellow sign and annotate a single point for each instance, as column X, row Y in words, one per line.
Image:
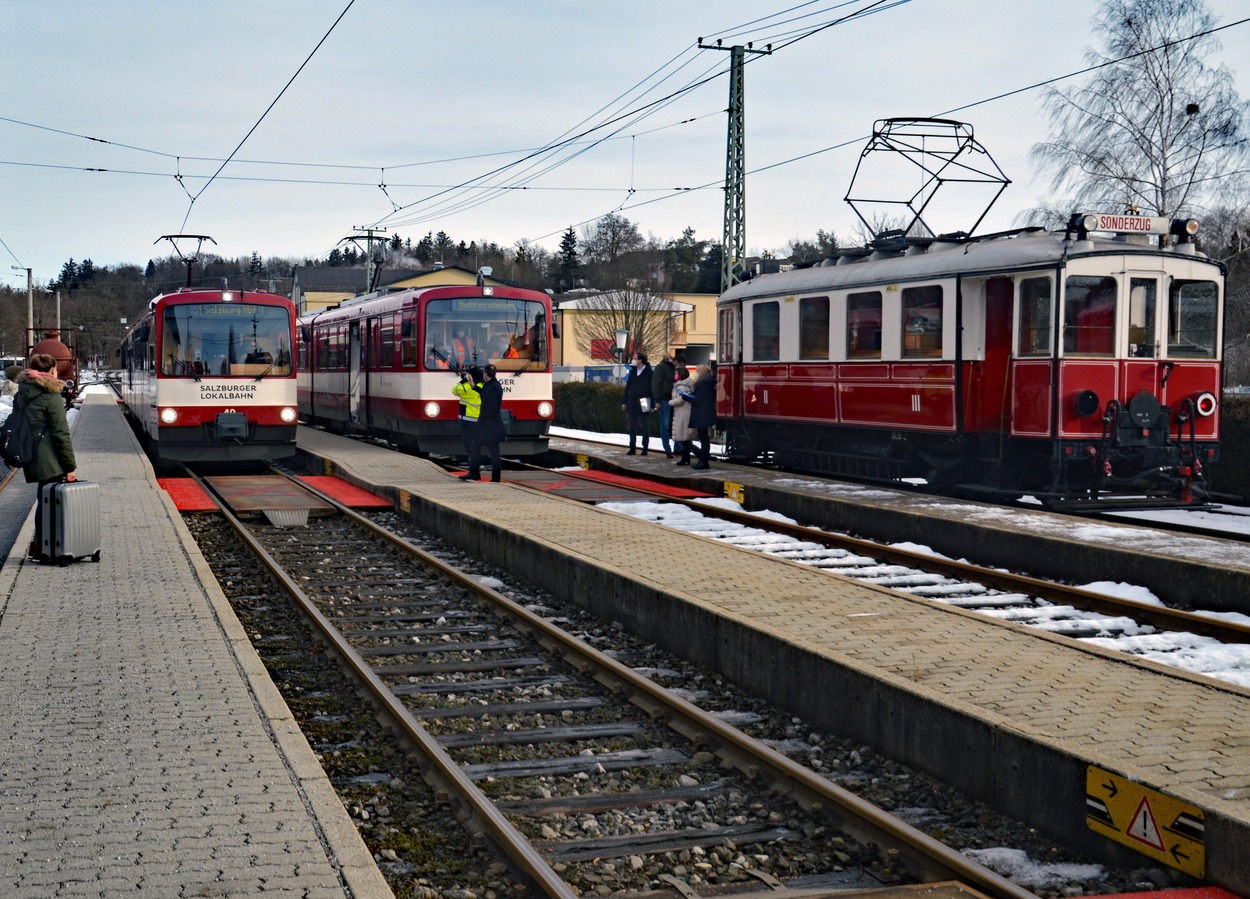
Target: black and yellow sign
column 735, row 492
column 1151, row 822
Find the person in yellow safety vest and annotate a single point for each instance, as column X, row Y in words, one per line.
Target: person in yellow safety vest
column 469, row 391
column 462, row 348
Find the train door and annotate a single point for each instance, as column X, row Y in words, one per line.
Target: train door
column 369, row 365
column 995, row 386
column 1143, row 340
column 353, row 372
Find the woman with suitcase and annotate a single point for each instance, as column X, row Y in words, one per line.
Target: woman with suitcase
column 40, row 400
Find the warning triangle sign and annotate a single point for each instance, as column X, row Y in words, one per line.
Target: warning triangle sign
column 1143, row 827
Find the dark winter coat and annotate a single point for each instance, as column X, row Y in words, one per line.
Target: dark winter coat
column 45, row 411
column 638, row 387
column 490, row 420
column 703, row 409
column 662, row 380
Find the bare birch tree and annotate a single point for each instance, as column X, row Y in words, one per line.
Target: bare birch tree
column 1156, row 129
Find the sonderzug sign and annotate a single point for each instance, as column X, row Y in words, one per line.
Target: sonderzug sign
column 1131, row 224
column 227, row 391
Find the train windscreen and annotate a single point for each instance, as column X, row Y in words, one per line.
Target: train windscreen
column 225, row 339
column 511, row 334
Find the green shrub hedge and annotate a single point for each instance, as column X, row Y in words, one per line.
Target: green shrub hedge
column 594, row 406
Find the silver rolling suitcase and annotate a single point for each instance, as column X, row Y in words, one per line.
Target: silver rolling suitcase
column 70, row 528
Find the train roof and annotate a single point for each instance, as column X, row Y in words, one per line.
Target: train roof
column 938, row 258
column 381, row 301
column 212, row 295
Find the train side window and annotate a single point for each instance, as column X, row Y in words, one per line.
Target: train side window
column 922, row 321
column 1141, row 318
column 863, row 325
column 1089, row 308
column 386, row 342
column 814, row 328
column 727, row 336
column 408, row 349
column 766, row 332
column 1034, row 317
column 1193, row 318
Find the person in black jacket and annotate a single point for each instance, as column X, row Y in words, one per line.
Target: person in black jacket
column 703, row 412
column 39, row 399
column 490, row 430
column 639, row 401
column 662, row 380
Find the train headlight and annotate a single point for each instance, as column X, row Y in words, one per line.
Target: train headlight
column 288, row 415
column 546, row 410
column 431, row 410
column 1205, row 404
column 169, row 415
column 1086, row 403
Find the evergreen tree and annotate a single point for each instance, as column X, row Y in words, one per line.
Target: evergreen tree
column 567, row 262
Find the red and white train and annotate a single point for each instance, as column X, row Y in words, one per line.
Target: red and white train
column 384, row 365
column 1082, row 364
column 209, row 376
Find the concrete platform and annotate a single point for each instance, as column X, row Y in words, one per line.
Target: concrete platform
column 1216, row 573
column 1035, row 725
column 144, row 750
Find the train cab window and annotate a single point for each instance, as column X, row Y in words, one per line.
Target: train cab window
column 225, row 339
column 1193, row 318
column 1141, row 318
column 766, row 332
column 1034, row 317
column 863, row 325
column 922, row 321
column 409, row 352
column 814, row 328
column 1089, row 307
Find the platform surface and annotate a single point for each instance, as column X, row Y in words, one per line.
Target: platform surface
column 938, row 685
column 145, row 752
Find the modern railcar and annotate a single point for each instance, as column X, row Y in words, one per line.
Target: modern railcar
column 384, row 365
column 1078, row 365
column 209, row 376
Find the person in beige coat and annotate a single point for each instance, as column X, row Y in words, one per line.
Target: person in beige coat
column 681, row 419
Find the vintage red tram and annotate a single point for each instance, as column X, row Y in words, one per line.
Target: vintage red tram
column 384, row 365
column 1075, row 365
column 209, row 376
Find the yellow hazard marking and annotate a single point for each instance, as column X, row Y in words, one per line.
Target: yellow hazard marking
column 583, row 461
column 1153, row 823
column 405, row 501
column 736, row 492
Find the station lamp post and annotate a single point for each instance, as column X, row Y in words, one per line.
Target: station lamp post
column 28, row 340
column 622, row 340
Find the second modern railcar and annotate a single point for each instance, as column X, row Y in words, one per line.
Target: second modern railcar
column 384, row 365
column 1078, row 365
column 209, row 376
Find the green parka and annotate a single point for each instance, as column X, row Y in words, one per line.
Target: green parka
column 45, row 410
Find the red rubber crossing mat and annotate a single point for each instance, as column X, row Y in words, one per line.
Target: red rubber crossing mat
column 345, row 493
column 187, row 495
column 590, row 486
column 645, row 483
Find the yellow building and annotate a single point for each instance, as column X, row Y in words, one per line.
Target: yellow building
column 675, row 322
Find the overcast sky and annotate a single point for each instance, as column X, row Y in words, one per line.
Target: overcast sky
column 406, row 100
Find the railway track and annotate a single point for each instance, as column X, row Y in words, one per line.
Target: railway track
column 1115, row 622
column 562, row 756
